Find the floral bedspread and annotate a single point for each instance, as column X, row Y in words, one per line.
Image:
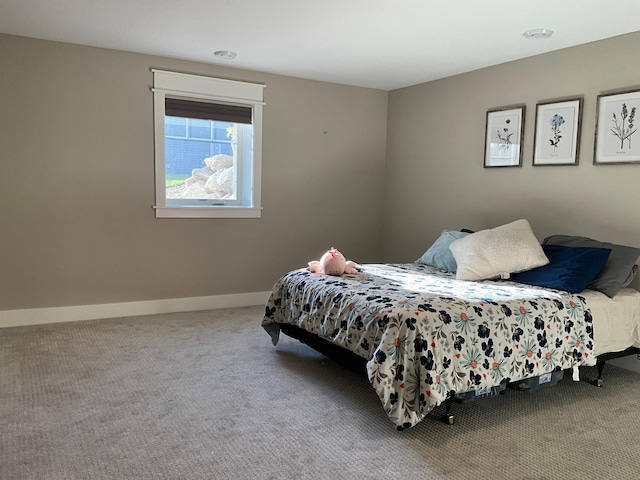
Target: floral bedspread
column 427, row 336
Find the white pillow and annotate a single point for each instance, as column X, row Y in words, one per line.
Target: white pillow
column 498, row 252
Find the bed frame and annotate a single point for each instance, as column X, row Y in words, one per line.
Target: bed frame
column 340, row 355
column 602, row 359
column 358, row 364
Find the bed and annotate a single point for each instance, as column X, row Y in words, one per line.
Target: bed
column 426, row 336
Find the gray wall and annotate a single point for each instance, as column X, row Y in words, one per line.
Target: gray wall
column 435, row 147
column 77, row 182
column 76, row 186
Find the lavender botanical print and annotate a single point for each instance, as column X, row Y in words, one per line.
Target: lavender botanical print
column 623, row 125
column 616, row 128
column 428, row 336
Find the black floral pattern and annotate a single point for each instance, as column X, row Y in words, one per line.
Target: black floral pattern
column 427, row 336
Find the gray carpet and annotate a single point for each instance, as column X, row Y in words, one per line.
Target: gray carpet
column 204, row 395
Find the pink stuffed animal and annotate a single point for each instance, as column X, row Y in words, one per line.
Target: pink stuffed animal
column 332, row 263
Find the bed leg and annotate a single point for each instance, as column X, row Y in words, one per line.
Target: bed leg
column 447, row 416
column 598, row 382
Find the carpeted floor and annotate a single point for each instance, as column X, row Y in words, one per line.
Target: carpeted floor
column 204, row 395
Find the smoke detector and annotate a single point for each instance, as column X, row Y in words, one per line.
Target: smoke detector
column 537, row 34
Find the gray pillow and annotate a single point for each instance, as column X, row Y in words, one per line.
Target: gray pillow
column 439, row 255
column 632, row 275
column 617, row 269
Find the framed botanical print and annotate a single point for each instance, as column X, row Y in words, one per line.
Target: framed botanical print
column 616, row 128
column 503, row 137
column 557, row 133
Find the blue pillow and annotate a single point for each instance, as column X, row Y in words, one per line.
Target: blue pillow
column 570, row 268
column 439, row 255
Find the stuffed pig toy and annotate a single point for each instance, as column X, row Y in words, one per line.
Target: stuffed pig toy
column 332, row 263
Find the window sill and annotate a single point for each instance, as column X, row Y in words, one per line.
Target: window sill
column 208, row 212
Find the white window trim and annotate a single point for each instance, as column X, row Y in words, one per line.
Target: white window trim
column 206, row 88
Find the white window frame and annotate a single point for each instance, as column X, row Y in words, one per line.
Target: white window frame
column 195, row 87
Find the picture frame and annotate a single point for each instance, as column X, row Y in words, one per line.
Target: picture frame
column 557, row 133
column 617, row 139
column 503, row 136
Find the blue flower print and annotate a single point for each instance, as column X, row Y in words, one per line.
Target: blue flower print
column 556, row 123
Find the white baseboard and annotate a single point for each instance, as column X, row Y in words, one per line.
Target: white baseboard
column 35, row 316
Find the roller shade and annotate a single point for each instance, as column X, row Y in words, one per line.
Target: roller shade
column 177, row 107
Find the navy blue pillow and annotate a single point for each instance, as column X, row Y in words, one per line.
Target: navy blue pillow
column 570, row 268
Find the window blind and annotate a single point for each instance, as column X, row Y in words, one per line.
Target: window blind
column 178, row 107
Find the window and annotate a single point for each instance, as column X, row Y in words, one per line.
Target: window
column 208, row 142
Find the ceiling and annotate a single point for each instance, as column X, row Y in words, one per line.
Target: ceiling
column 383, row 44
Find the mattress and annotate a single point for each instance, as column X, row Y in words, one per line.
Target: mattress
column 616, row 321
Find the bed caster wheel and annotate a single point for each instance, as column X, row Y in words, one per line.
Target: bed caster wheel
column 598, row 382
column 448, row 419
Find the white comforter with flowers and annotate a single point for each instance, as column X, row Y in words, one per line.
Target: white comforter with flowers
column 427, row 336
